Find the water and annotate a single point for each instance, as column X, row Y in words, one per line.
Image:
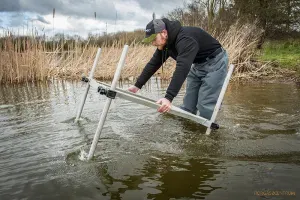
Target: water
column 146, row 155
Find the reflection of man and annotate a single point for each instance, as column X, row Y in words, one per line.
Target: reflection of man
column 189, row 46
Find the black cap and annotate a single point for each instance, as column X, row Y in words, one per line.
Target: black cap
column 152, row 28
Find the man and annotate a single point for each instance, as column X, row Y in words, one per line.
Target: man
column 199, row 57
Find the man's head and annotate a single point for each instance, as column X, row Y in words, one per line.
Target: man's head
column 156, row 33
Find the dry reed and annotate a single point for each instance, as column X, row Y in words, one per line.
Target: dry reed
column 29, row 60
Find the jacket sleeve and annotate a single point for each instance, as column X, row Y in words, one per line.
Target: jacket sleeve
column 187, row 49
column 152, row 66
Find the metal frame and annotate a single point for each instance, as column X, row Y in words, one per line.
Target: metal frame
column 111, row 91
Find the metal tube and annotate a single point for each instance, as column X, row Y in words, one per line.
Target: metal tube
column 151, row 103
column 107, row 104
column 221, row 96
column 87, row 86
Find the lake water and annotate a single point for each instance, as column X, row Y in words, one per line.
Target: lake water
column 143, row 154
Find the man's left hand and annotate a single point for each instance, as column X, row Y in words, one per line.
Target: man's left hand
column 165, row 105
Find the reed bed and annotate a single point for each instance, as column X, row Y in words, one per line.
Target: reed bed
column 30, row 59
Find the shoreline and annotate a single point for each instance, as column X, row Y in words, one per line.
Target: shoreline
column 287, row 77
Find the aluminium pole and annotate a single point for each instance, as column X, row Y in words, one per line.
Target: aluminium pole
column 107, row 104
column 91, row 75
column 221, row 96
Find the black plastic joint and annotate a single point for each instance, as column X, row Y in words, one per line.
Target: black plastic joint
column 85, row 79
column 102, row 90
column 214, row 126
column 109, row 93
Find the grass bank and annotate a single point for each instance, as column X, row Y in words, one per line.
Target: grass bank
column 284, row 54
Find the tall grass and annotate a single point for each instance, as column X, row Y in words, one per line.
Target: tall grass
column 285, row 53
column 29, row 59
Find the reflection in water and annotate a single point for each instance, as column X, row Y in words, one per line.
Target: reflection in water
column 143, row 154
column 163, row 178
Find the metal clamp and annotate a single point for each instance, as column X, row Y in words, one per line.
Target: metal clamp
column 85, row 79
column 214, row 126
column 109, row 93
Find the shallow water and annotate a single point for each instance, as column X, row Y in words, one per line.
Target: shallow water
column 146, row 155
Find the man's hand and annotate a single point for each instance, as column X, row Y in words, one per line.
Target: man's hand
column 165, row 105
column 133, row 89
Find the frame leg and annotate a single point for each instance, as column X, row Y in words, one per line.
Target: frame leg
column 107, row 104
column 87, row 86
column 221, row 96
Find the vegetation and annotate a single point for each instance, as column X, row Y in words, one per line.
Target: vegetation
column 285, row 53
column 29, row 59
column 278, row 18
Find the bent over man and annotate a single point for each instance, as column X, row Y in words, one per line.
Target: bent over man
column 200, row 59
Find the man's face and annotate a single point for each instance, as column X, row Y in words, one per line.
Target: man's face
column 161, row 40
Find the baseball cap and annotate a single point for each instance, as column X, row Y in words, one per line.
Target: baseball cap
column 152, row 29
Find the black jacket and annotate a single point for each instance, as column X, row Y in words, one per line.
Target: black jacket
column 187, row 45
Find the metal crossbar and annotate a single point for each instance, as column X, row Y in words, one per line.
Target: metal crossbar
column 151, row 103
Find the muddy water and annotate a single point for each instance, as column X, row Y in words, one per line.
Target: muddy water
column 145, row 155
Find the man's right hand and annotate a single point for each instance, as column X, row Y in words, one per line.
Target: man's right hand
column 133, row 89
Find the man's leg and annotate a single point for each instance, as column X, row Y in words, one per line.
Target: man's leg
column 212, row 84
column 192, row 89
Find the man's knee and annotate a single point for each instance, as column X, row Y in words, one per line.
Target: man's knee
column 206, row 111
